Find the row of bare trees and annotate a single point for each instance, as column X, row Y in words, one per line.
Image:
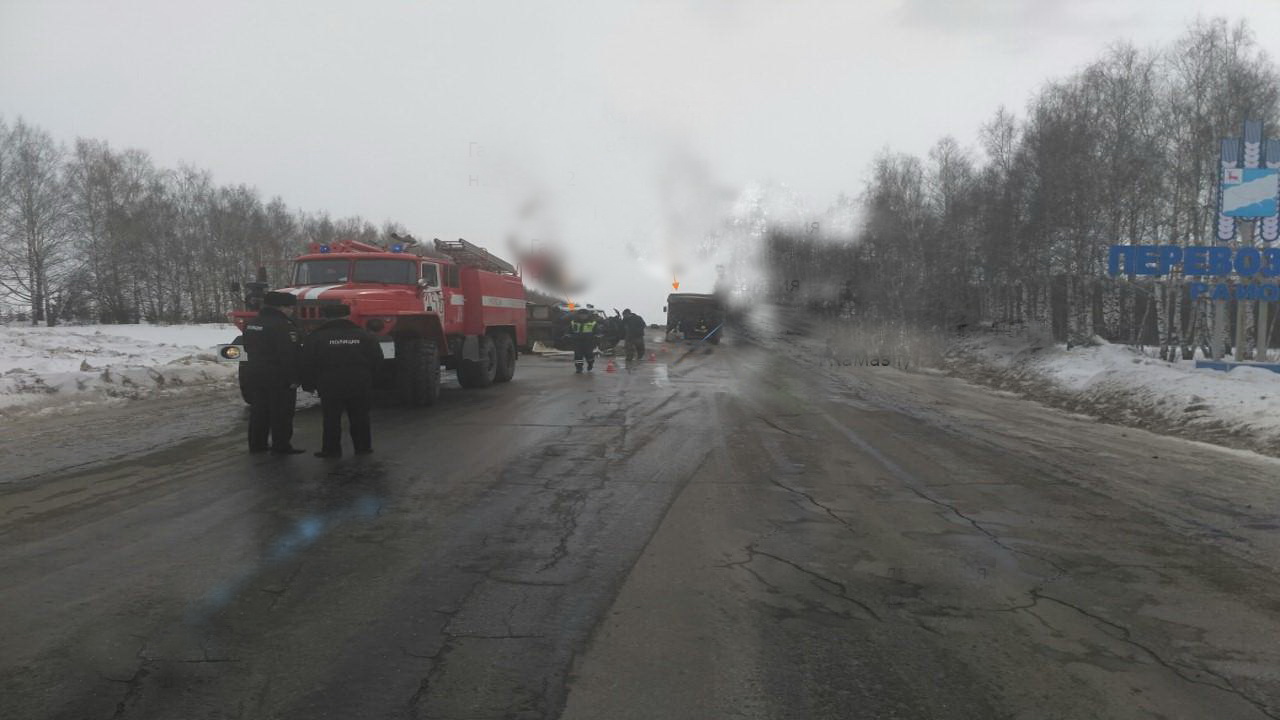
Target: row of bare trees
column 1123, row 151
column 89, row 233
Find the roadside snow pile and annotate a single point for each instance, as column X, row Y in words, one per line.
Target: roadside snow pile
column 46, row 369
column 1116, row 383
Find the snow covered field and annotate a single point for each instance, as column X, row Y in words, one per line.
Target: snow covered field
column 62, row 368
column 1116, row 383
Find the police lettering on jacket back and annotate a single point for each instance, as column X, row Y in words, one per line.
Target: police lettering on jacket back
column 340, row 359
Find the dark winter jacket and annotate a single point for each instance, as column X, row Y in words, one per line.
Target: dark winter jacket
column 271, row 349
column 339, row 359
column 633, row 327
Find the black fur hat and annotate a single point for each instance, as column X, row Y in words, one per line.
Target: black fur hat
column 279, row 299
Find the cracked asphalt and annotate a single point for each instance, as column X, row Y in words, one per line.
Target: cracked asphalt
column 742, row 534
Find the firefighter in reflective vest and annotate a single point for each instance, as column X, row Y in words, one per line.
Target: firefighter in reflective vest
column 271, row 374
column 339, row 360
column 584, row 331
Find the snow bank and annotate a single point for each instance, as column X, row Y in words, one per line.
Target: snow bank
column 1119, row 384
column 52, row 369
column 1114, row 383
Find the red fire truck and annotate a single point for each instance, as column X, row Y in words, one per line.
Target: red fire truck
column 454, row 305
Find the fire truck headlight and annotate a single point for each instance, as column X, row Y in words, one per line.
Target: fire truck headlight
column 231, row 352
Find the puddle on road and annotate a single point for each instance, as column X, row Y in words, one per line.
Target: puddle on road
column 660, row 376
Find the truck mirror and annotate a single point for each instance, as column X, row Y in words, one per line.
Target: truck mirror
column 664, row 308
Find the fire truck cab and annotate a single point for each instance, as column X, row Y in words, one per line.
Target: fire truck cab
column 453, row 305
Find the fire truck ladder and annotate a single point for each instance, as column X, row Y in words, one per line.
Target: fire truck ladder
column 465, row 253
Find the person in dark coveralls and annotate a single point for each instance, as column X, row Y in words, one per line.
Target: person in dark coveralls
column 633, row 328
column 584, row 329
column 339, row 360
column 271, row 374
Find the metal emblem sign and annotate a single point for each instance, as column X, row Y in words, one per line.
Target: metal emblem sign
column 1249, row 184
column 1250, row 192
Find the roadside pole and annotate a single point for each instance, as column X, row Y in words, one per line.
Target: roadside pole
column 1242, row 305
column 1219, row 344
column 1268, row 232
column 1260, row 339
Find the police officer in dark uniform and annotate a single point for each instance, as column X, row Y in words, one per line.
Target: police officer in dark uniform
column 584, row 331
column 339, row 360
column 271, row 374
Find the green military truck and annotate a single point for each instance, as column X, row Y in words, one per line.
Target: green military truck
column 693, row 316
column 547, row 319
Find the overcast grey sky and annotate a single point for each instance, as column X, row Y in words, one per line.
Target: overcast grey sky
column 447, row 116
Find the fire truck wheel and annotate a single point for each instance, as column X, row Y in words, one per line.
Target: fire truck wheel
column 506, row 351
column 418, row 373
column 480, row 373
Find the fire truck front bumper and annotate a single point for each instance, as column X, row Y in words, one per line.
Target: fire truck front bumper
column 236, row 353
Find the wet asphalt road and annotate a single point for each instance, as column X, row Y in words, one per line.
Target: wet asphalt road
column 740, row 535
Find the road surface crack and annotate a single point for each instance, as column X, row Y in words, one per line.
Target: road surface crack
column 439, row 659
column 511, row 613
column 783, row 464
column 824, row 584
column 511, row 636
column 990, row 535
column 815, row 502
column 659, row 406
column 1126, row 636
column 844, row 590
column 133, row 685
column 567, row 506
column 278, row 593
column 779, row 428
column 909, row 481
column 528, row 583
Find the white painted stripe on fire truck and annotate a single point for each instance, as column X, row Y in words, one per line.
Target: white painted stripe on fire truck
column 502, row 302
column 314, row 293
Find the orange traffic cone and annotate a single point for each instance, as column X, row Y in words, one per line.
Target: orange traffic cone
column 611, row 367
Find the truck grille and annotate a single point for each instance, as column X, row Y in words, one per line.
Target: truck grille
column 310, row 309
